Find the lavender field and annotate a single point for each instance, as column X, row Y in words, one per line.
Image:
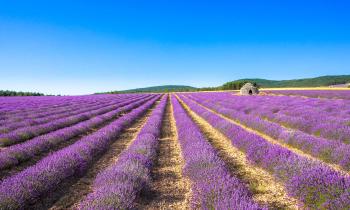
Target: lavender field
column 285, row 149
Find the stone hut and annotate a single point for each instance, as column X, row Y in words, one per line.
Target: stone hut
column 249, row 89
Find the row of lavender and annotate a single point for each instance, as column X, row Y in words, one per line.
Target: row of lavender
column 29, row 132
column 38, row 113
column 326, row 118
column 13, row 155
column 12, row 107
column 212, row 185
column 117, row 186
column 25, row 187
column 53, row 109
column 331, row 151
column 15, row 105
column 313, row 183
column 331, row 94
column 11, row 124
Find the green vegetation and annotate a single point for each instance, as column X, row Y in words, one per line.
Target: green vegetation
column 158, row 89
column 237, row 84
column 264, row 83
column 308, row 82
column 14, row 93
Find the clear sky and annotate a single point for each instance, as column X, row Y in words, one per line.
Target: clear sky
column 80, row 47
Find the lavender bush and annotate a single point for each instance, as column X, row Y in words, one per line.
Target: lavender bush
column 118, row 186
column 323, row 118
column 23, row 134
column 331, row 94
column 334, row 152
column 313, row 183
column 19, row 108
column 212, row 185
column 21, row 152
column 25, row 187
column 65, row 112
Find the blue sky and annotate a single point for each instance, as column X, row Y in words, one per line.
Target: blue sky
column 80, row 47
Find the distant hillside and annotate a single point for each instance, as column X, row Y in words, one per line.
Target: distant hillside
column 20, row 93
column 308, row 82
column 237, row 84
column 164, row 88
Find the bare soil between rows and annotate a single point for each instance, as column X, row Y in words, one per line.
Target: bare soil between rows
column 169, row 189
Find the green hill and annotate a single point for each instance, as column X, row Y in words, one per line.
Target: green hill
column 156, row 89
column 308, row 82
column 237, row 84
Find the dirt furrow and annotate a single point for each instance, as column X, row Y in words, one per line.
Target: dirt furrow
column 169, row 189
column 265, row 188
column 72, row 191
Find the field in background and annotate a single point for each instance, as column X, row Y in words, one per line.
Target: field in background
column 185, row 150
column 308, row 88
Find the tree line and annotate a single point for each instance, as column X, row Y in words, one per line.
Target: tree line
column 234, row 85
column 20, row 93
